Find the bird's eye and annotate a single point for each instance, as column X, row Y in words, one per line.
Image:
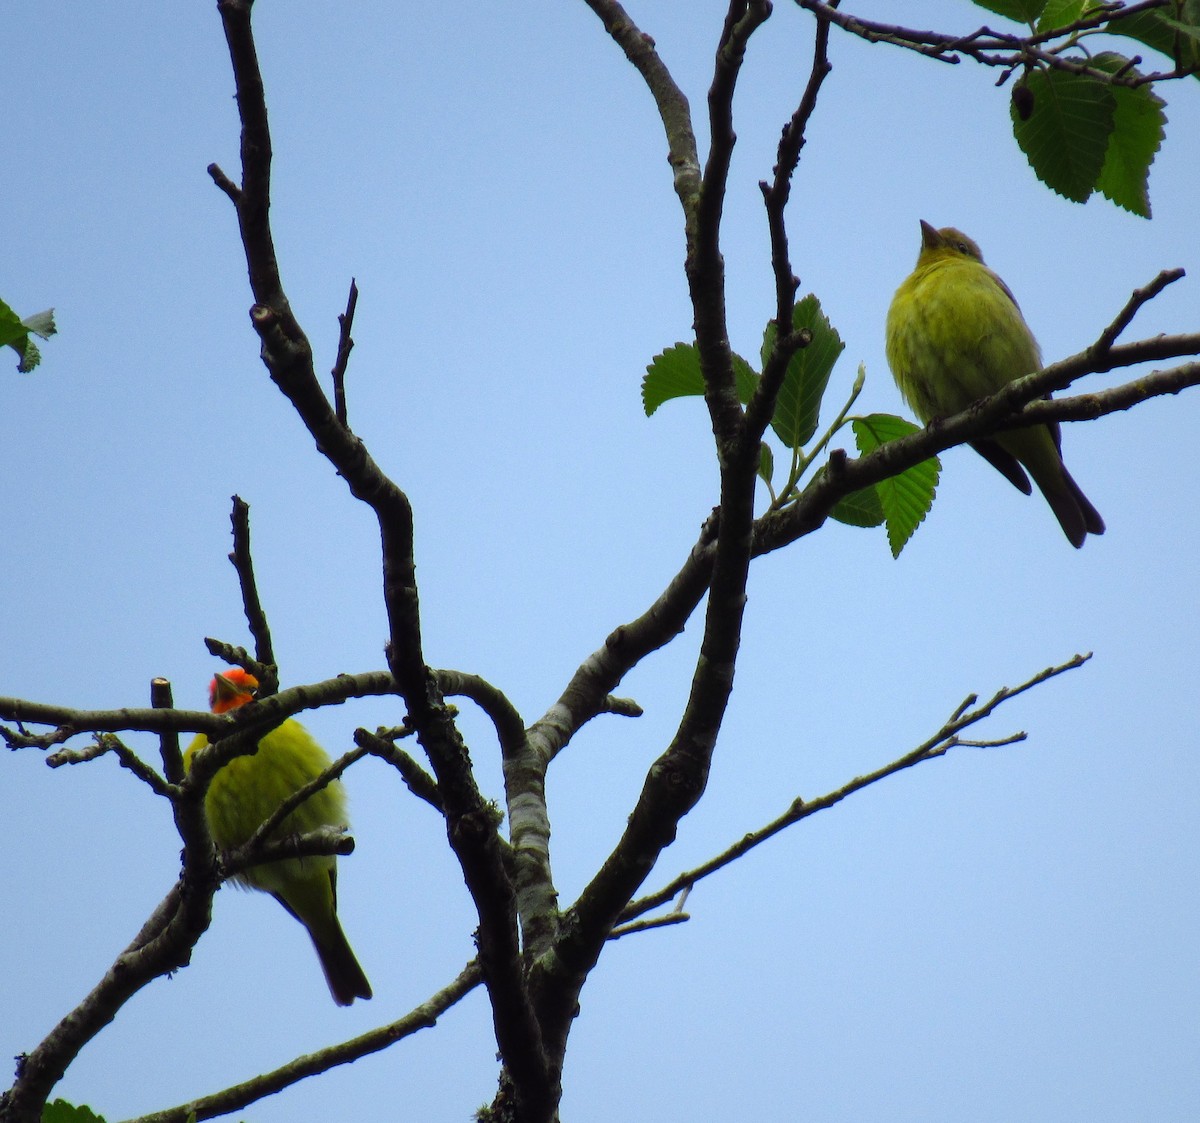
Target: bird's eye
column 962, row 247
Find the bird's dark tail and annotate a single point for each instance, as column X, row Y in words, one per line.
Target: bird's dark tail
column 346, row 978
column 1071, row 507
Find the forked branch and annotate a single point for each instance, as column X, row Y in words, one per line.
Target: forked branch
column 948, row 737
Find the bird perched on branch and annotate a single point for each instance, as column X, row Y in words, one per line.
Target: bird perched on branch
column 243, row 795
column 955, row 335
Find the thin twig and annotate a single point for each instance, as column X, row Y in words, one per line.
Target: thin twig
column 256, row 618
column 419, row 782
column 1123, row 318
column 1013, row 407
column 345, row 345
column 110, row 743
column 510, row 729
column 318, row 783
column 775, row 196
column 225, row 183
column 741, row 21
column 1087, row 407
column 649, row 923
column 621, row 707
column 320, row 843
column 670, row 100
column 168, row 740
column 237, row 656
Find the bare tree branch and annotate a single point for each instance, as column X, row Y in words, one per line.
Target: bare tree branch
column 1124, row 318
column 161, row 698
column 1001, row 49
column 650, row 923
column 111, row 743
column 532, row 958
column 668, row 791
column 424, row 1016
column 470, row 826
column 1087, row 407
column 418, row 781
column 741, row 21
column 673, row 108
column 678, row 778
column 510, row 729
column 164, row 944
column 940, row 743
column 1011, row 407
column 268, row 713
column 776, row 196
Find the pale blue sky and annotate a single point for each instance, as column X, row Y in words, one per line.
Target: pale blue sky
column 994, row 936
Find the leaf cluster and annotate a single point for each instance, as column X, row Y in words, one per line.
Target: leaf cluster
column 1086, row 117
column 1090, row 120
column 899, row 503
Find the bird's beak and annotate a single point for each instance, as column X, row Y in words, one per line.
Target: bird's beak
column 226, row 691
column 930, row 238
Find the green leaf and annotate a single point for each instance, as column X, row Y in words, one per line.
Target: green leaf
column 676, row 374
column 1173, row 30
column 59, row 1111
column 906, row 498
column 1138, row 127
column 673, row 374
column 15, row 332
column 1188, row 24
column 1066, row 135
column 1059, row 13
column 766, row 462
column 11, row 327
column 746, row 377
column 41, row 323
column 798, row 408
column 1023, row 11
column 859, row 508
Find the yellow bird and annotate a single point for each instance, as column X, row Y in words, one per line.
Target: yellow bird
column 954, row 335
column 246, row 791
